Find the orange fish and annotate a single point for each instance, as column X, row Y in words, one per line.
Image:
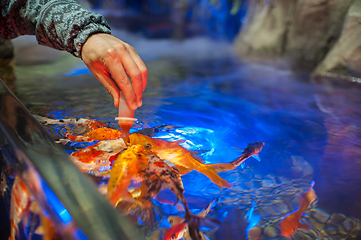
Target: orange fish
column 291, row 222
column 125, row 168
column 20, row 200
column 157, row 176
column 252, row 149
column 181, row 157
column 176, row 232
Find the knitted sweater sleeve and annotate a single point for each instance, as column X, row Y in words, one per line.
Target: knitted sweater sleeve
column 60, row 24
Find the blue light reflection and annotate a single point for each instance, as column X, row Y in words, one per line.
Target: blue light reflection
column 56, row 206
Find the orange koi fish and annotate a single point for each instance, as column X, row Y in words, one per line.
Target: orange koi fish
column 20, row 200
column 99, row 134
column 125, row 168
column 156, row 177
column 291, row 222
column 252, row 149
column 181, row 157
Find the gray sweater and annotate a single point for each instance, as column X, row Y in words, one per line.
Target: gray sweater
column 60, row 24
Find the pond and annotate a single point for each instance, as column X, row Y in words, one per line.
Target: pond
column 220, row 104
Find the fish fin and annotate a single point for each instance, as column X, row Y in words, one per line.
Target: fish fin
column 39, row 230
column 243, row 165
column 183, row 170
column 256, row 156
column 238, row 149
column 209, row 171
column 221, row 167
column 209, row 222
column 179, row 141
column 145, row 213
column 304, row 226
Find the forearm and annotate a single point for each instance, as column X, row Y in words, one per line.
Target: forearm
column 63, row 25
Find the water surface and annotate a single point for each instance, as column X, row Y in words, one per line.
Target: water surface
column 311, row 131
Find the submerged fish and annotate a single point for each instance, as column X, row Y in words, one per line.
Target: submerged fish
column 181, row 157
column 193, row 223
column 291, row 222
column 177, row 232
column 156, row 177
column 252, row 149
column 94, row 157
column 20, row 200
column 125, row 168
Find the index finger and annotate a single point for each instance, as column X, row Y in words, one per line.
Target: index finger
column 118, row 74
column 143, row 69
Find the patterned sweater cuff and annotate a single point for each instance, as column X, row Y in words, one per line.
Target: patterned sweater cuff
column 85, row 33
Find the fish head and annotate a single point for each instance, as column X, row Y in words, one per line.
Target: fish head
column 289, row 225
column 255, row 147
column 147, row 142
column 176, row 232
column 175, row 220
column 140, row 154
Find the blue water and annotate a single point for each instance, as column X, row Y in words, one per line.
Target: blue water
column 220, row 105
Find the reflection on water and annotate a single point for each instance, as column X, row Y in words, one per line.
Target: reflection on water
column 310, row 131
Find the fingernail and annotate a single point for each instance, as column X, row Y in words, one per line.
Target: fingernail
column 135, row 106
column 140, row 103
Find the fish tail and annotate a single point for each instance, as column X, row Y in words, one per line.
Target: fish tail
column 238, row 161
column 211, row 172
column 221, row 167
column 142, row 210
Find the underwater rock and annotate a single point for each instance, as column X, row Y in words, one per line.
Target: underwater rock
column 348, row 225
column 336, row 219
column 305, row 234
column 300, row 167
column 320, row 215
column 315, row 224
column 271, row 232
column 237, row 188
column 254, row 233
column 330, row 231
column 268, row 182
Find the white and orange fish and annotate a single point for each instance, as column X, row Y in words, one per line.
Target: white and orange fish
column 97, row 156
column 176, row 232
column 292, row 221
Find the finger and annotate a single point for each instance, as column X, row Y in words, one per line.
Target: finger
column 143, row 69
column 103, row 76
column 133, row 71
column 120, row 77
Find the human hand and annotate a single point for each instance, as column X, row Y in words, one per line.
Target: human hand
column 111, row 61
